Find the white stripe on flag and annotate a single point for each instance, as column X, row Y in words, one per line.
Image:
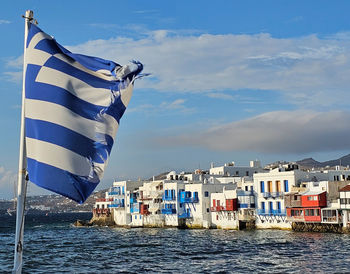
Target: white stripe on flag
column 37, row 57
column 57, row 114
column 77, row 65
column 60, row 157
column 96, row 96
column 126, row 94
column 37, row 38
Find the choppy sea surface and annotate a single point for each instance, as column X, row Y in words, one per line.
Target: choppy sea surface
column 53, row 245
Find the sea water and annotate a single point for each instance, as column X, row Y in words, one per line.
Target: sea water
column 53, row 245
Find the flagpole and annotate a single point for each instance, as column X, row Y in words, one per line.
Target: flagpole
column 22, row 165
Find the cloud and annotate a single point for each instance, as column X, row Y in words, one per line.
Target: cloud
column 273, row 132
column 4, row 22
column 13, row 76
column 308, row 70
column 177, row 105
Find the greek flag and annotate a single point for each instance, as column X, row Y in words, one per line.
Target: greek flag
column 73, row 105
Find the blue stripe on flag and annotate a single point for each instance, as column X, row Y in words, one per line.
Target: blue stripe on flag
column 69, row 139
column 57, row 95
column 49, row 46
column 50, row 177
column 60, row 181
column 88, row 78
column 31, row 33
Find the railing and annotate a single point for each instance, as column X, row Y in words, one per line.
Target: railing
column 272, row 212
column 246, row 205
column 245, row 193
column 152, row 195
column 101, row 211
column 169, row 198
column 189, row 200
column 116, row 205
column 169, row 211
column 115, row 193
column 273, row 194
column 185, row 215
column 217, row 208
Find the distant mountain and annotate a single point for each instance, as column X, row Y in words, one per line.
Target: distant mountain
column 310, row 162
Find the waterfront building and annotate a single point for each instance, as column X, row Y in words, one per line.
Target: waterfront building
column 120, row 205
column 101, row 206
column 344, row 194
column 150, row 199
column 271, row 188
column 224, row 206
column 172, row 207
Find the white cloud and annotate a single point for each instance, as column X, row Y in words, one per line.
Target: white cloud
column 306, row 69
column 4, row 22
column 273, row 132
column 13, row 76
column 177, row 105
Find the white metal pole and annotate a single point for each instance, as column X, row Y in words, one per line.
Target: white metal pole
column 22, row 165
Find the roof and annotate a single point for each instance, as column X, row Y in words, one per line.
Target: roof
column 345, row 188
column 309, row 192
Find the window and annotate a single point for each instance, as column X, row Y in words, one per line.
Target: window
column 207, row 209
column 237, row 173
column 206, row 194
column 247, row 173
column 342, row 201
column 286, row 188
column 262, row 187
column 317, row 212
column 309, row 198
column 306, row 212
column 246, row 188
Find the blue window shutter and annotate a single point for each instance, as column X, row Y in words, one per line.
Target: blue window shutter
column 286, row 189
column 262, row 186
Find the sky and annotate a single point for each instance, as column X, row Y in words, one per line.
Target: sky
column 230, row 80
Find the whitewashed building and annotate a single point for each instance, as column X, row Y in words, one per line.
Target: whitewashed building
column 119, row 193
column 230, row 169
column 270, row 188
column 224, row 209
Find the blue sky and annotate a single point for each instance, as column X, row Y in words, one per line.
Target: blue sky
column 231, row 80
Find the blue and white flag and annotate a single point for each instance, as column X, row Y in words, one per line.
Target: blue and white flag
column 73, row 105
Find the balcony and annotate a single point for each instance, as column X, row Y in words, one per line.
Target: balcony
column 273, row 195
column 169, row 211
column 134, row 210
column 246, row 205
column 168, row 198
column 245, row 193
column 116, row 205
column 272, row 212
column 185, row 215
column 133, row 200
column 217, row 208
column 189, row 200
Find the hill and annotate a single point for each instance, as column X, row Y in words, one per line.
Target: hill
column 310, row 162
